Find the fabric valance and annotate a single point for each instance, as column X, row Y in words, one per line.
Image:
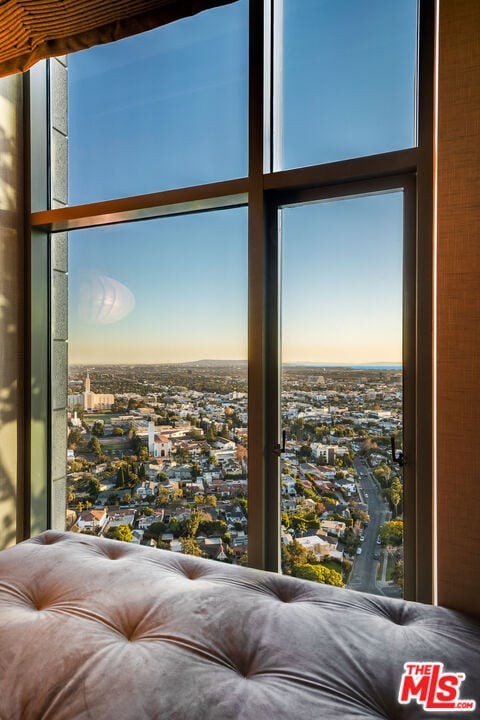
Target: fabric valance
column 32, row 30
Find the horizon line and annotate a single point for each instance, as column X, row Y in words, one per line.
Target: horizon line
column 314, row 363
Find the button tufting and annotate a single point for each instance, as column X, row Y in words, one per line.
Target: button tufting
column 38, row 605
column 286, row 592
column 398, row 616
column 193, row 573
column 48, row 538
column 141, row 624
column 114, row 553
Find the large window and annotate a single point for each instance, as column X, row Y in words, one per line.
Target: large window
column 277, row 156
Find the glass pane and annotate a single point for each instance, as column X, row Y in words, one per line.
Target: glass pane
column 158, row 383
column 345, row 79
column 342, row 520
column 164, row 109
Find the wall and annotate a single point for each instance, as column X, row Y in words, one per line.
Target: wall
column 59, row 280
column 458, row 298
column 11, row 309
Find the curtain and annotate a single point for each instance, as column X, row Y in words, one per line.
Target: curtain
column 31, row 30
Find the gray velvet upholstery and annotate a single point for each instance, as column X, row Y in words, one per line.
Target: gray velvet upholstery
column 93, row 628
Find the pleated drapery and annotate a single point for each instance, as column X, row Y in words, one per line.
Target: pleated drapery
column 31, row 30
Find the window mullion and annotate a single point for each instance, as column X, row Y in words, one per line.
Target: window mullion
column 263, row 529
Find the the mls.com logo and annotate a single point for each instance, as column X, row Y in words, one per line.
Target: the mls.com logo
column 428, row 685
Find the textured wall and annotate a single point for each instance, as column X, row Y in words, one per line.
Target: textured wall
column 11, row 304
column 458, row 349
column 59, row 279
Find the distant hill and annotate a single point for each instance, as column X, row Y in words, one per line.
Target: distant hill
column 213, row 363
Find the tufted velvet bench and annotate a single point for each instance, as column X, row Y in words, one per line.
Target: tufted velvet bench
column 99, row 629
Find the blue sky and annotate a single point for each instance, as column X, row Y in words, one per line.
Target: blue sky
column 348, row 78
column 183, row 310
column 342, row 280
column 169, row 108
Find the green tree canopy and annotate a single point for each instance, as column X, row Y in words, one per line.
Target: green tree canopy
column 318, row 573
column 190, row 546
column 94, row 446
column 74, row 437
column 121, row 532
column 396, row 493
column 392, row 533
column 293, row 554
column 98, row 428
column 93, row 486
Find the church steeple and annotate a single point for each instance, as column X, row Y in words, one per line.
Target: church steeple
column 87, row 383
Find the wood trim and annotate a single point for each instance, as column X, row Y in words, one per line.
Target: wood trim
column 230, row 193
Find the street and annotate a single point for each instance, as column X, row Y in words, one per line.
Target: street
column 364, row 570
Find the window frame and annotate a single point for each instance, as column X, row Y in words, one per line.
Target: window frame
column 263, row 191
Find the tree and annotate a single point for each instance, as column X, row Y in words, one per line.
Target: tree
column 243, row 502
column 318, row 573
column 156, row 529
column 190, row 525
column 122, row 475
column 396, row 493
column 74, row 437
column 360, row 515
column 118, row 432
column 212, row 500
column 127, row 498
column 98, row 428
column 212, row 431
column 94, row 446
column 190, row 546
column 121, row 532
column 143, row 453
column 210, row 528
column 293, row 554
column 162, row 498
column 182, row 455
column 305, row 453
column 392, row 533
column 397, row 575
column 93, row 486
column 382, row 474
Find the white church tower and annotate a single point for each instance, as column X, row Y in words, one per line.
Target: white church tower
column 151, row 437
column 88, row 396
